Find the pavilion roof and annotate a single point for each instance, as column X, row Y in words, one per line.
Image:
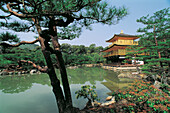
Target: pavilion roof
column 115, row 47
column 122, row 36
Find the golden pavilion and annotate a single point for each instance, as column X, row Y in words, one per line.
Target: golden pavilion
column 117, row 50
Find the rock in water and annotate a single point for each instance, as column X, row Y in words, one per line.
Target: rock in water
column 109, row 102
column 157, row 84
column 33, row 71
column 109, row 98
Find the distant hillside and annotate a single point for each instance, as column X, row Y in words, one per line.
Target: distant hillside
column 29, row 46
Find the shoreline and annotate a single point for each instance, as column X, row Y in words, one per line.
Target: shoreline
column 4, row 72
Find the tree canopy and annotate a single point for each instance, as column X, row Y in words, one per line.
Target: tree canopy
column 155, row 43
column 60, row 19
column 72, row 55
column 69, row 15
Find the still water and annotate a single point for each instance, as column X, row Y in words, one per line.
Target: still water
column 33, row 93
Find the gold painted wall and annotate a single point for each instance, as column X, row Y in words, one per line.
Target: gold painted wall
column 116, row 52
column 121, row 51
column 124, row 42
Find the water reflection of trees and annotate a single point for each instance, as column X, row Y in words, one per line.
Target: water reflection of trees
column 82, row 75
column 113, row 82
column 17, row 84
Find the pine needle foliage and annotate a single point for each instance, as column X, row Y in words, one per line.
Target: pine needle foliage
column 155, row 43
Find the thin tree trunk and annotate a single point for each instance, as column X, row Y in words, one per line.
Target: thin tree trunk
column 61, row 65
column 55, row 83
column 137, row 68
column 51, row 72
column 156, row 42
column 64, row 79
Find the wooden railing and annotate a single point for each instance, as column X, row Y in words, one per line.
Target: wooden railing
column 135, row 42
column 114, row 54
column 121, row 53
column 125, row 43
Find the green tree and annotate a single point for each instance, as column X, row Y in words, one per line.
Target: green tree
column 155, row 43
column 66, row 48
column 82, row 49
column 95, row 58
column 89, row 93
column 9, row 38
column 99, row 49
column 91, row 48
column 13, row 55
column 78, row 54
column 69, row 16
column 134, row 53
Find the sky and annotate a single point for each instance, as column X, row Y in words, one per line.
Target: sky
column 101, row 33
column 136, row 8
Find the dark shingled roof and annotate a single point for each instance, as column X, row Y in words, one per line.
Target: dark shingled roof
column 125, row 35
column 122, row 35
column 113, row 46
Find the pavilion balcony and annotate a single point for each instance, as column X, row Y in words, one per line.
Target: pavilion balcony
column 135, row 43
column 122, row 53
column 124, row 42
column 115, row 54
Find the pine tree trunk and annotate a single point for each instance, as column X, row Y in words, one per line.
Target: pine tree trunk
column 62, row 67
column 137, row 68
column 51, row 72
column 156, row 42
column 64, row 79
column 55, row 83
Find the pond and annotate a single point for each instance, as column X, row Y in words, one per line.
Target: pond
column 33, row 93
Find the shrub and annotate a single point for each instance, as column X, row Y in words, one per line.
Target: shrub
column 87, row 92
column 143, row 97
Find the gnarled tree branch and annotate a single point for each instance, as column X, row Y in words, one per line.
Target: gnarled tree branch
column 17, row 14
column 35, row 66
column 16, row 45
column 30, row 15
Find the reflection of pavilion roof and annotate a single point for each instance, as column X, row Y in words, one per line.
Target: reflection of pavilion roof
column 115, row 47
column 122, row 36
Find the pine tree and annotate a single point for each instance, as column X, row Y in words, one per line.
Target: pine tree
column 69, row 16
column 155, row 43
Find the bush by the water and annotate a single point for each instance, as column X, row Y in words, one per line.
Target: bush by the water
column 89, row 93
column 142, row 97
